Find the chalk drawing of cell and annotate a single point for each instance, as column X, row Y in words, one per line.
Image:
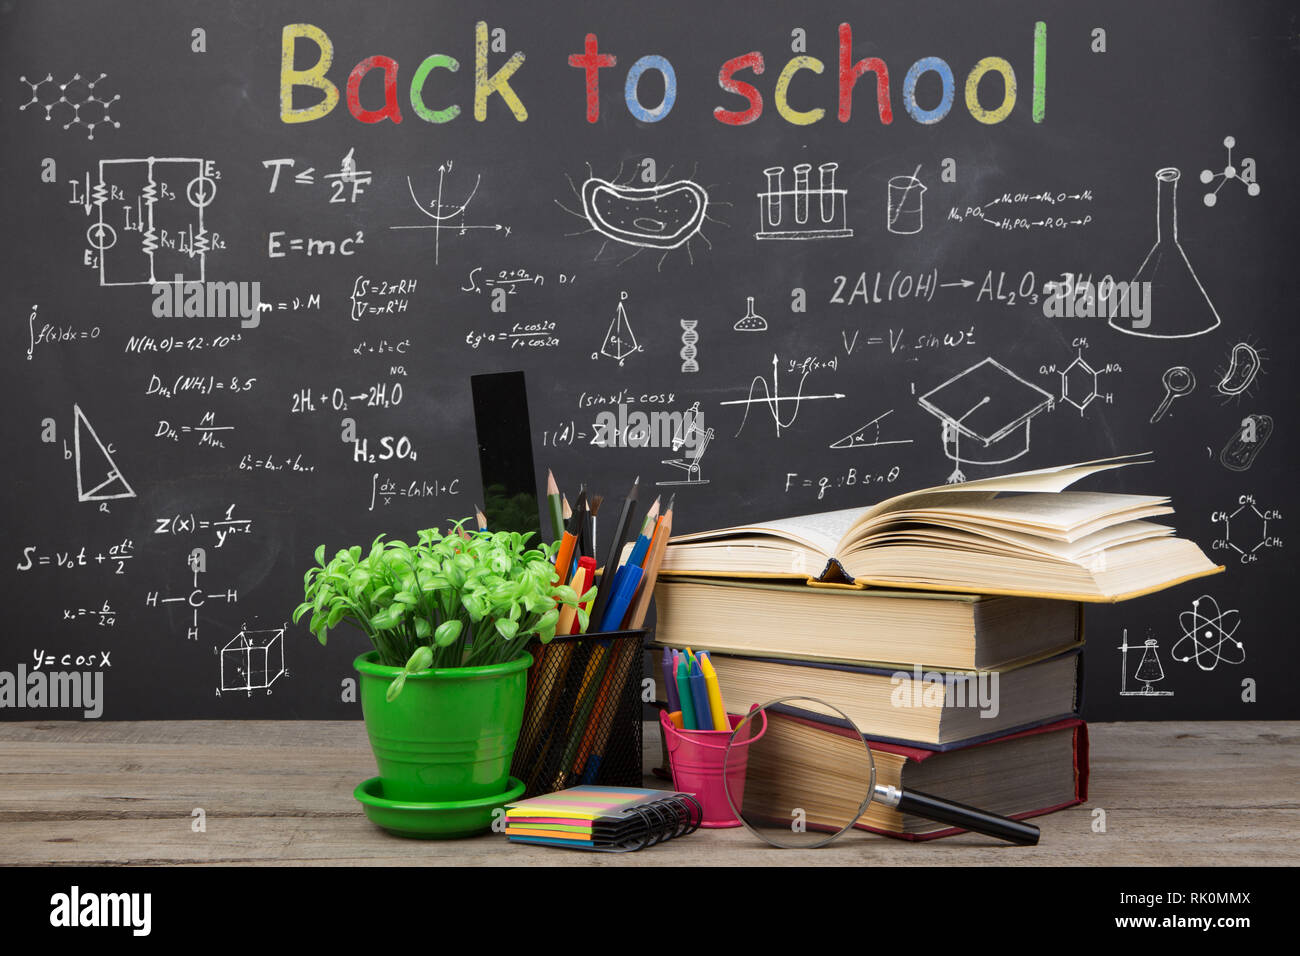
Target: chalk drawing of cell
column 662, row 217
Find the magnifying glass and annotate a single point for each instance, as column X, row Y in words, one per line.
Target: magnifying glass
column 796, row 780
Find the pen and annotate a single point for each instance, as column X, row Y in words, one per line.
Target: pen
column 716, row 707
column 699, row 696
column 670, row 680
column 624, row 587
column 684, row 693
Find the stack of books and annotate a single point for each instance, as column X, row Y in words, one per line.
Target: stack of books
column 946, row 623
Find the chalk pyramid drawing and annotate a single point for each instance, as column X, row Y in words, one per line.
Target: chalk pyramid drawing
column 619, row 342
column 98, row 477
column 868, row 436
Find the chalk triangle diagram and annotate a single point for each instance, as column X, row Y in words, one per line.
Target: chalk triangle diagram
column 868, row 436
column 619, row 340
column 96, row 468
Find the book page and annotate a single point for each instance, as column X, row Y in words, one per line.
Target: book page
column 818, row 532
column 1044, row 479
column 1060, row 512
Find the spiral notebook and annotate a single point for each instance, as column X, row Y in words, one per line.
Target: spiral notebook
column 609, row 819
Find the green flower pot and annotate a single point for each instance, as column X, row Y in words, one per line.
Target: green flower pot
column 450, row 734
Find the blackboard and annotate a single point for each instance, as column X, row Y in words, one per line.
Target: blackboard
column 809, row 279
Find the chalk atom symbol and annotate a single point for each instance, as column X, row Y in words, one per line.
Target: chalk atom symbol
column 1210, row 634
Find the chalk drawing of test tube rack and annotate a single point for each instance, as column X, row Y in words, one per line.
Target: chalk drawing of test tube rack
column 803, row 212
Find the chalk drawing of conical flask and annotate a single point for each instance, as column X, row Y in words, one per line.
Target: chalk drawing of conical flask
column 1178, row 307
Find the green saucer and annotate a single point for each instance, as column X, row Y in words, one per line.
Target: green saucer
column 432, row 821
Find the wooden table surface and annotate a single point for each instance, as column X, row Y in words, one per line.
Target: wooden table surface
column 280, row 792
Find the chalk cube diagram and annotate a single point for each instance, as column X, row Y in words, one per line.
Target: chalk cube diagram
column 253, row 660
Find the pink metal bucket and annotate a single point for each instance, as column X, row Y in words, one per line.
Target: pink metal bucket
column 696, row 757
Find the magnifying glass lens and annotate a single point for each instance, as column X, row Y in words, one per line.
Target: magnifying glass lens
column 793, row 782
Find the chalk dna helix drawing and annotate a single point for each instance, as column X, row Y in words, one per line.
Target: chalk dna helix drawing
column 688, row 352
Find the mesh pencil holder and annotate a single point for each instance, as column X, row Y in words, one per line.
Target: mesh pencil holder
column 582, row 716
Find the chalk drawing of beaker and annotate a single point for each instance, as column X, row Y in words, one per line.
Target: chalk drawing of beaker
column 903, row 213
column 1178, row 306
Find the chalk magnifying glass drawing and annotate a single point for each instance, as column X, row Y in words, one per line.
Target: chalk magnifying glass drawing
column 810, row 776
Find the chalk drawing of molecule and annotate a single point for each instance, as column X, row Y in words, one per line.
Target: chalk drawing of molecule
column 76, row 98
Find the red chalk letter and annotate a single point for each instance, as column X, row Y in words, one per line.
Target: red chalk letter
column 726, row 80
column 390, row 109
column 591, row 62
column 849, row 73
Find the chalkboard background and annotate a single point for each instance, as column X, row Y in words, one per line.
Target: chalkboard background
column 1173, row 81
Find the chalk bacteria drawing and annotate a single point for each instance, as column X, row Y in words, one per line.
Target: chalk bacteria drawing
column 751, row 321
column 1178, row 381
column 447, row 218
column 74, row 96
column 145, row 197
column 1244, row 365
column 689, row 429
column 98, row 477
column 1208, row 637
column 1178, row 305
column 253, row 660
column 869, row 436
column 620, row 341
column 1246, row 442
column 803, row 212
column 688, row 351
column 985, row 412
column 1230, row 173
column 661, row 217
column 905, row 205
column 772, row 398
column 1148, row 670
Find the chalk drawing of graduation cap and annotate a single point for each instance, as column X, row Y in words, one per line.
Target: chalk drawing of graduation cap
column 985, row 412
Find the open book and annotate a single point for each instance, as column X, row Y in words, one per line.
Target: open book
column 1021, row 534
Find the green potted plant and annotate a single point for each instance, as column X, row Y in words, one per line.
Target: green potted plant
column 442, row 691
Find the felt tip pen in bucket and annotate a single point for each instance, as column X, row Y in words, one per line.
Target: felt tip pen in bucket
column 683, row 680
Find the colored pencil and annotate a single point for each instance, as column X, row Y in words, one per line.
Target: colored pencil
column 654, row 560
column 556, row 509
column 569, row 612
column 615, row 549
column 564, row 557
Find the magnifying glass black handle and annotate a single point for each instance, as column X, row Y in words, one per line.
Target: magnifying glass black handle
column 968, row 818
